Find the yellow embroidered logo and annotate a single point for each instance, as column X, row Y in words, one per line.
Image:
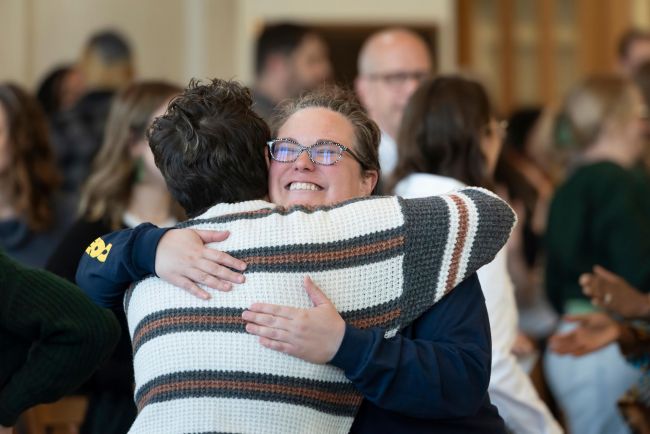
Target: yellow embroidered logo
column 99, row 250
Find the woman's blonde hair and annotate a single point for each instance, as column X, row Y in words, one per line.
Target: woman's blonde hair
column 589, row 106
column 107, row 191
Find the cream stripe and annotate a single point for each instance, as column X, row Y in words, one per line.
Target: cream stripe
column 370, row 216
column 221, row 351
column 378, row 283
column 472, row 224
column 445, row 264
column 198, row 415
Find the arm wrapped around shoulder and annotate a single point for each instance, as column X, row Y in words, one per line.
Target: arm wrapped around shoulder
column 451, row 236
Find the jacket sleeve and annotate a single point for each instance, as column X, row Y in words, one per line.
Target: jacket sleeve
column 112, row 262
column 437, row 368
column 67, row 337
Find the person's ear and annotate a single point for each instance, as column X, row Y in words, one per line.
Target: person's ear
column 267, row 157
column 369, row 181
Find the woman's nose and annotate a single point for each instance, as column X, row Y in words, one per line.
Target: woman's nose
column 303, row 162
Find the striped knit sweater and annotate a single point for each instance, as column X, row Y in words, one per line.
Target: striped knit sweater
column 382, row 261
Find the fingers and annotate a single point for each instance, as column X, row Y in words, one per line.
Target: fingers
column 192, row 288
column 267, row 320
column 224, row 259
column 585, row 280
column 315, row 294
column 605, row 274
column 211, row 236
column 268, row 332
column 276, row 310
column 219, row 271
column 200, row 276
column 574, row 318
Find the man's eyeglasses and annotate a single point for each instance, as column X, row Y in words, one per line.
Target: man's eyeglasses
column 323, row 152
column 399, row 78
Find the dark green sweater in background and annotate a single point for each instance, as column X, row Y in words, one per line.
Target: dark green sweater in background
column 600, row 215
column 52, row 337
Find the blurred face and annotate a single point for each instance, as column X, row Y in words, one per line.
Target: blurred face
column 639, row 53
column 309, row 65
column 5, row 151
column 492, row 142
column 143, row 151
column 303, row 182
column 393, row 68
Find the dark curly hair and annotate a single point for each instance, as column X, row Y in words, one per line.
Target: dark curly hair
column 209, row 146
column 32, row 178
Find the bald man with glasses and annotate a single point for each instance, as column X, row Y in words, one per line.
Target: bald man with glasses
column 392, row 63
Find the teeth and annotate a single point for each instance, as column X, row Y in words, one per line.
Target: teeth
column 303, row 186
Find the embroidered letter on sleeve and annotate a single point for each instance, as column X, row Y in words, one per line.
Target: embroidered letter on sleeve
column 99, row 250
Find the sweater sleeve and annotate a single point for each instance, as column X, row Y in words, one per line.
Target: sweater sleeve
column 438, row 368
column 68, row 335
column 112, row 262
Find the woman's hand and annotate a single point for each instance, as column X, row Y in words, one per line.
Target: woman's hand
column 595, row 331
column 612, row 292
column 183, row 260
column 313, row 334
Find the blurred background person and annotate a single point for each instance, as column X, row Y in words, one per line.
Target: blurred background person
column 633, row 50
column 528, row 188
column 289, row 59
column 598, row 215
column 59, row 90
column 106, row 66
column 33, row 215
column 450, row 137
column 391, row 65
column 124, row 189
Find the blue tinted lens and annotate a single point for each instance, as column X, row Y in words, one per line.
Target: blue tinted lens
column 285, row 151
column 325, row 153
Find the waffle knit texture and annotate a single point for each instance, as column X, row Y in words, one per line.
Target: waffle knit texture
column 382, row 261
column 53, row 337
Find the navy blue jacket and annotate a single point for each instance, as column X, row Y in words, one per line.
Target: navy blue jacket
column 432, row 377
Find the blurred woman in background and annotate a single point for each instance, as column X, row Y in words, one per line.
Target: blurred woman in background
column 125, row 188
column 32, row 216
column 450, row 137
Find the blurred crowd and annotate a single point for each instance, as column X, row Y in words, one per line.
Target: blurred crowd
column 567, row 298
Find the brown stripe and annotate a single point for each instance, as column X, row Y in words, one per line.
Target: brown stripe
column 329, row 397
column 184, row 319
column 378, row 320
column 326, row 256
column 463, row 221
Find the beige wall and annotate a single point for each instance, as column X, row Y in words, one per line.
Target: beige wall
column 176, row 39
column 172, row 39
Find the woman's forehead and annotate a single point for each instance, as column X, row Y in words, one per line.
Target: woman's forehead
column 318, row 123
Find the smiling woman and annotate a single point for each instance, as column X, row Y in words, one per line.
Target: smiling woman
column 328, row 115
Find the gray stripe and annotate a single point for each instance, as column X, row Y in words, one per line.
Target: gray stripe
column 193, row 384
column 495, row 222
column 177, row 325
column 427, row 225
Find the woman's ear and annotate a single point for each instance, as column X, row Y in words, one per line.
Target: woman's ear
column 369, row 181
